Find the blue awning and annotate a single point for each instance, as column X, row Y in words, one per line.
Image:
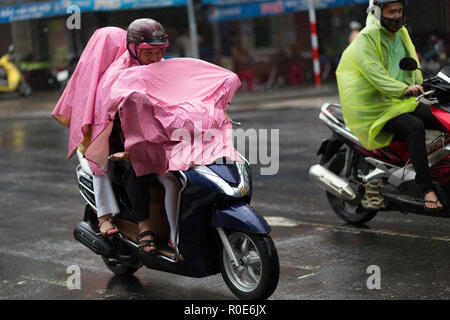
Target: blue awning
column 53, row 8
column 225, row 10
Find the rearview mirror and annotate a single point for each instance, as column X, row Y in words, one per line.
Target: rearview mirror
column 408, row 64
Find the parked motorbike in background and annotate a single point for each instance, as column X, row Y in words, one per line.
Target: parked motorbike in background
column 360, row 182
column 11, row 79
column 64, row 73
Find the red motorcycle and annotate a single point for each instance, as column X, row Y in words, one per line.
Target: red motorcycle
column 360, row 182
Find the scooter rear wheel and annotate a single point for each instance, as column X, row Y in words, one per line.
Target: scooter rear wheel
column 119, row 269
column 257, row 275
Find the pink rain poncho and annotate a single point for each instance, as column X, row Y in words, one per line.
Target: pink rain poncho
column 76, row 107
column 172, row 114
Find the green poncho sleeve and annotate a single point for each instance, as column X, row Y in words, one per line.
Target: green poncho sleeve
column 369, row 95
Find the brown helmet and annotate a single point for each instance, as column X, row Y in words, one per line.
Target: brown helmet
column 146, row 31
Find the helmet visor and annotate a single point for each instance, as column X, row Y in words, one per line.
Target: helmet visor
column 145, row 45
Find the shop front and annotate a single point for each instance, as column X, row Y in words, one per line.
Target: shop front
column 276, row 35
column 44, row 41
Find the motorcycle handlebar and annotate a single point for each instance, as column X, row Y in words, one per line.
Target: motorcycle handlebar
column 408, row 94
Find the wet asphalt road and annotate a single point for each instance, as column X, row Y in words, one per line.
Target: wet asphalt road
column 320, row 256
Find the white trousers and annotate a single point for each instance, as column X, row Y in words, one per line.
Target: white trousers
column 105, row 199
column 171, row 185
column 106, row 202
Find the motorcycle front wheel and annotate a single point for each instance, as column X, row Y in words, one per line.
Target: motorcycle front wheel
column 257, row 275
column 350, row 212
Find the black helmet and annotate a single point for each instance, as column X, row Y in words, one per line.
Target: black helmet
column 147, row 31
column 391, row 24
column 382, row 3
column 376, row 7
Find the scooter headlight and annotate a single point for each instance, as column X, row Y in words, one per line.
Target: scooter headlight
column 231, row 189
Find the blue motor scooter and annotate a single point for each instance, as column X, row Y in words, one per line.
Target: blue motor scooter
column 217, row 230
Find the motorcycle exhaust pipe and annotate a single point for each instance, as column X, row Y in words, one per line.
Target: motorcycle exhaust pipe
column 84, row 233
column 331, row 182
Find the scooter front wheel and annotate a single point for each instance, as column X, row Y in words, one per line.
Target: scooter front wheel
column 256, row 276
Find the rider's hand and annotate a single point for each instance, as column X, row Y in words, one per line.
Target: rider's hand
column 416, row 90
column 120, row 156
column 227, row 117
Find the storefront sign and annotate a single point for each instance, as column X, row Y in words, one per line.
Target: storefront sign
column 59, row 7
column 28, row 11
column 224, row 10
column 105, row 5
column 318, row 3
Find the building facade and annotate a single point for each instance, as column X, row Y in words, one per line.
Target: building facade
column 273, row 37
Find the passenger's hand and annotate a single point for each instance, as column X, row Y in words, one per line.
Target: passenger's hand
column 415, row 91
column 192, row 165
column 227, row 117
column 118, row 156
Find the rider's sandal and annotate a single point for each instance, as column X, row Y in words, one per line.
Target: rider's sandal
column 432, row 209
column 170, row 244
column 142, row 244
column 435, row 202
column 109, row 232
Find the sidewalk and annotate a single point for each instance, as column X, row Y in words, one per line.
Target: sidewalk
column 12, row 104
column 295, row 92
column 301, row 97
column 45, row 101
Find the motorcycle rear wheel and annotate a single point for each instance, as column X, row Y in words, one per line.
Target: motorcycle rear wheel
column 257, row 275
column 350, row 212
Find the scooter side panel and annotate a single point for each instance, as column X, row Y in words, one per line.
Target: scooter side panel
column 199, row 243
column 240, row 217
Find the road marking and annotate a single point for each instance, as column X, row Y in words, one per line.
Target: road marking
column 306, row 276
column 47, row 281
column 281, row 222
column 285, row 222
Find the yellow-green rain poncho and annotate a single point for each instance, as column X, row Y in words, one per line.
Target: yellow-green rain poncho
column 371, row 84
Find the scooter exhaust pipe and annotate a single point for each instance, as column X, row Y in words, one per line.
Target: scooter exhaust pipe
column 84, row 233
column 331, row 182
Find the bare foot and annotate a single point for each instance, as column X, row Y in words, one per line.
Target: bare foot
column 106, row 227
